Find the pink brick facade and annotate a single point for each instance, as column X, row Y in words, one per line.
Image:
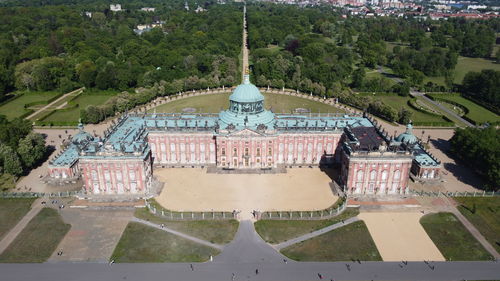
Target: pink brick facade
column 122, row 176
column 375, row 176
column 243, row 150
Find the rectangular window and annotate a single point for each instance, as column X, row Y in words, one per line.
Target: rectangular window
column 246, row 151
column 258, row 151
column 235, row 152
column 223, row 151
column 270, row 152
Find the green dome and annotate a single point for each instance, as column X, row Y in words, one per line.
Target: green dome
column 407, row 137
column 82, row 137
column 246, row 92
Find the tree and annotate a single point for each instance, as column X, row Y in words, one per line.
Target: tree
column 31, row 149
column 483, row 86
column 358, row 77
column 86, row 71
column 11, row 163
column 404, row 116
column 402, row 89
column 480, row 150
column 12, row 132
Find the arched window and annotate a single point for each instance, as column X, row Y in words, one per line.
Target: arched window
column 359, row 175
column 235, row 151
column 373, row 175
column 384, row 175
column 397, row 175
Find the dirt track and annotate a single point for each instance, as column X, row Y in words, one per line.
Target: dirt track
column 401, row 237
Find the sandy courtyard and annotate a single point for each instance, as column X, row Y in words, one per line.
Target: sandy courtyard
column 195, row 190
column 400, row 236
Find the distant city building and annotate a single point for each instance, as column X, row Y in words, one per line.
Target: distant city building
column 186, row 6
column 88, row 14
column 148, row 9
column 115, row 7
column 141, row 28
column 200, row 10
column 245, row 136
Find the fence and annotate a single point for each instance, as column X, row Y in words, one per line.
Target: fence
column 333, row 211
column 38, row 194
column 171, row 215
column 456, row 193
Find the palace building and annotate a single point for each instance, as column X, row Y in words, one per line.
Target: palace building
column 245, row 136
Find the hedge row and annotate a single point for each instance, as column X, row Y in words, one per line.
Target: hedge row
column 413, row 104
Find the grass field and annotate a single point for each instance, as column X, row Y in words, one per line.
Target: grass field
column 15, row 108
column 83, row 101
column 140, row 243
column 11, row 211
column 484, row 214
column 476, row 112
column 350, row 242
column 217, row 102
column 464, row 65
column 452, row 239
column 215, row 231
column 38, row 240
column 277, row 231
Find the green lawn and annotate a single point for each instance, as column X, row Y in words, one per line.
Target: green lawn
column 452, row 239
column 215, row 231
column 141, row 243
column 83, row 101
column 484, row 214
column 12, row 211
column 15, row 108
column 476, row 112
column 38, row 240
column 216, row 102
column 464, row 65
column 352, row 241
column 277, row 231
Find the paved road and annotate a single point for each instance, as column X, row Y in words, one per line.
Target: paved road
column 36, row 206
column 180, row 234
column 267, row 271
column 314, row 233
column 248, row 247
column 440, row 106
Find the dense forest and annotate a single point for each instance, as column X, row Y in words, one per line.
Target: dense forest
column 59, row 47
column 479, row 149
column 316, row 50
